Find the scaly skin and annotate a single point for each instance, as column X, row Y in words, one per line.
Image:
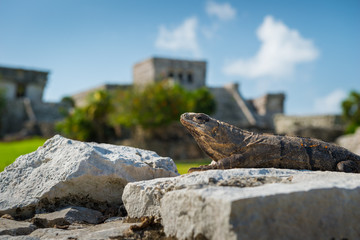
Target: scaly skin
column 232, row 147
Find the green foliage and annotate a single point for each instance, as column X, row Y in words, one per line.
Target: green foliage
column 351, row 111
column 69, row 101
column 76, row 125
column 158, row 104
column 89, row 123
column 153, row 106
column 201, row 100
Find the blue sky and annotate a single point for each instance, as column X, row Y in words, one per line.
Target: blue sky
column 307, row 49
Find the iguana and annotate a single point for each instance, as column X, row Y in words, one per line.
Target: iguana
column 231, row 147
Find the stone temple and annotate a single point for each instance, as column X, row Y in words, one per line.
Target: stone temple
column 190, row 74
column 231, row 106
column 21, row 83
column 25, row 113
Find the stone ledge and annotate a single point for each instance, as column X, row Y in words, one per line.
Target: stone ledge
column 142, row 198
column 315, row 205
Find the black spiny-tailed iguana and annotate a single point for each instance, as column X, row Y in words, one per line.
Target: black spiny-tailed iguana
column 232, row 147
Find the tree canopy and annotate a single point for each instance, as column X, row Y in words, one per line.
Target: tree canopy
column 159, row 104
column 89, row 123
column 148, row 107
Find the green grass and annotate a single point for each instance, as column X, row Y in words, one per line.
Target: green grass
column 184, row 165
column 9, row 151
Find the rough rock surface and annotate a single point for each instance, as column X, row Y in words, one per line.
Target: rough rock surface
column 119, row 229
column 351, row 141
column 68, row 216
column 65, row 172
column 143, row 198
column 102, row 231
column 14, row 228
column 23, row 237
column 313, row 205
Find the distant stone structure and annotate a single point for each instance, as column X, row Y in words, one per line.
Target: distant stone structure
column 25, row 113
column 324, row 127
column 20, row 83
column 190, row 74
column 174, row 141
column 231, row 106
column 254, row 114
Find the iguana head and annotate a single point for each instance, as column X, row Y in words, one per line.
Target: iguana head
column 214, row 137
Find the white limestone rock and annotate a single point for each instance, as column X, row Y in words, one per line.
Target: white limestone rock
column 65, row 171
column 314, row 205
column 143, row 198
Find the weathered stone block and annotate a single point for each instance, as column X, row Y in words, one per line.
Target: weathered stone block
column 315, row 205
column 143, row 198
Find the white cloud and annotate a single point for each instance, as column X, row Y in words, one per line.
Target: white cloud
column 184, row 37
column 223, row 11
column 331, row 103
column 209, row 31
column 281, row 49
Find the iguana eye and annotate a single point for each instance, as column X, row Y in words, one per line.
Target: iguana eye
column 201, row 118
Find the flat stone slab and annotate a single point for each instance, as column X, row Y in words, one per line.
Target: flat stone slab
column 68, row 216
column 15, row 228
column 111, row 230
column 313, row 205
column 66, row 172
column 143, row 198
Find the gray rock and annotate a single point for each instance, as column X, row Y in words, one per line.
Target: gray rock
column 350, row 141
column 315, row 205
column 143, row 198
column 66, row 172
column 111, row 230
column 68, row 216
column 14, row 228
column 112, row 219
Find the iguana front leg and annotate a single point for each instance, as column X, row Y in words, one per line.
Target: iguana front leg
column 234, row 161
